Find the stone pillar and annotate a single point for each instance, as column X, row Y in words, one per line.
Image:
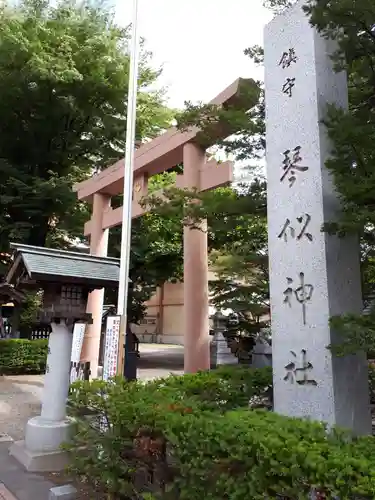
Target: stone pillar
column 57, row 377
column 196, row 314
column 44, row 434
column 313, row 276
column 98, row 247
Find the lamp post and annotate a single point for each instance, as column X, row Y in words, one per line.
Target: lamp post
column 130, row 372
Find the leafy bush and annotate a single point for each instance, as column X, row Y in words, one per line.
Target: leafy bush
column 224, row 388
column 19, row 356
column 164, row 439
column 256, row 454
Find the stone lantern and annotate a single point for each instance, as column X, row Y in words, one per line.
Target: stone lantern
column 66, row 278
column 65, row 301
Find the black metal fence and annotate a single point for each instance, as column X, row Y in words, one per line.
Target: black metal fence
column 34, row 332
column 40, row 332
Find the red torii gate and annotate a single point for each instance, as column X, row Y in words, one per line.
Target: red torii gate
column 154, row 157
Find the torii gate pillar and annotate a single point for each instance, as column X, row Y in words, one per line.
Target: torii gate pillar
column 196, row 299
column 99, row 248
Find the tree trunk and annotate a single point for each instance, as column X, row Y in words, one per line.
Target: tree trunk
column 39, row 232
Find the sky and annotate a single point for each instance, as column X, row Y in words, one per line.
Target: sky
column 200, row 43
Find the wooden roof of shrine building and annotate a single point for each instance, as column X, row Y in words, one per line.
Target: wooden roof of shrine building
column 37, row 265
column 8, row 292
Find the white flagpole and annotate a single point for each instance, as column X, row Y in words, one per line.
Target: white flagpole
column 128, row 184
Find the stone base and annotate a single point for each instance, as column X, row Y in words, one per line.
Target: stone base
column 222, row 353
column 52, row 461
column 226, row 359
column 5, row 438
column 46, row 435
column 41, row 450
column 160, row 338
column 66, row 492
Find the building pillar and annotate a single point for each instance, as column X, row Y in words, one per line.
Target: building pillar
column 196, row 300
column 99, row 248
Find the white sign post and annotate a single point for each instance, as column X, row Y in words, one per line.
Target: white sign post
column 78, row 335
column 111, row 347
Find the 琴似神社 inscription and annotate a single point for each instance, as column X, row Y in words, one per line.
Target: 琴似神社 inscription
column 299, row 371
column 302, row 292
column 313, row 275
column 291, row 165
column 290, row 230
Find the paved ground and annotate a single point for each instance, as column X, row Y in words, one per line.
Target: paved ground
column 17, row 484
column 20, row 398
column 160, row 360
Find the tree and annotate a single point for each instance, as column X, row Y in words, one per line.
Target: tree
column 63, row 80
column 237, row 238
column 353, row 133
column 238, row 255
column 352, row 163
column 156, row 252
column 237, row 230
column 237, row 220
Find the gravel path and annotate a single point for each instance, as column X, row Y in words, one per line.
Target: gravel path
column 19, row 400
column 20, row 395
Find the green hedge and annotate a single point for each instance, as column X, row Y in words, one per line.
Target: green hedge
column 19, row 356
column 224, row 388
column 173, row 439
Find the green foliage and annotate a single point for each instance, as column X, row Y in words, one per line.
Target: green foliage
column 156, row 257
column 172, row 439
column 239, row 257
column 278, row 6
column 161, row 181
column 236, row 217
column 221, row 389
column 64, row 71
column 237, row 127
column 63, row 79
column 141, row 407
column 256, row 53
column 352, row 164
column 237, row 238
column 256, row 455
column 354, row 333
column 19, row 356
column 29, row 310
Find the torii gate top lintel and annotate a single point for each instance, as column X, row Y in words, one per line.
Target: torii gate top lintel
column 156, row 156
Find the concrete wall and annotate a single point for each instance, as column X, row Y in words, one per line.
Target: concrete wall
column 164, row 319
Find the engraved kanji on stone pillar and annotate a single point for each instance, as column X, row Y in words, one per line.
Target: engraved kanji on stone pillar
column 313, row 275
